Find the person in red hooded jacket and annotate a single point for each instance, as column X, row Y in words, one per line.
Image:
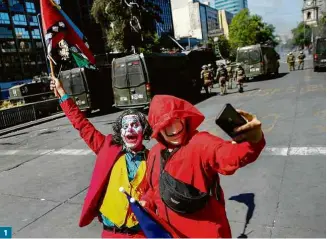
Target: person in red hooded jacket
column 183, row 167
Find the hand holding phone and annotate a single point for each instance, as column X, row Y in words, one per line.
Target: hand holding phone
column 229, row 119
column 239, row 125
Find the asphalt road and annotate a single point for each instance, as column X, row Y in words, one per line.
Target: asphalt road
column 45, row 169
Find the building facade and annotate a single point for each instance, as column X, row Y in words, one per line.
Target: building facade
column 166, row 27
column 193, row 19
column 232, row 6
column 313, row 10
column 21, row 50
column 225, row 19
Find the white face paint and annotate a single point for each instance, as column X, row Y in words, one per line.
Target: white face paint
column 131, row 131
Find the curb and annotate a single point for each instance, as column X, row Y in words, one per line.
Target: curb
column 31, row 123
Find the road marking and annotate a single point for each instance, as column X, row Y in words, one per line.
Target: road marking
column 272, row 151
column 307, row 151
column 274, row 117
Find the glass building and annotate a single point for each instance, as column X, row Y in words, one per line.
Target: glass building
column 232, row 6
column 21, row 50
column 166, row 17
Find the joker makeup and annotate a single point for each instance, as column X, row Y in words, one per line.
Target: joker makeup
column 131, row 131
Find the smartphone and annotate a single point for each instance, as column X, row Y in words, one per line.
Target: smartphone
column 229, row 119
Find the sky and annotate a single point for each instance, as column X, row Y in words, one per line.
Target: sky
column 283, row 14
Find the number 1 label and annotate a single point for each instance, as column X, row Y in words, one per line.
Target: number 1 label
column 5, row 232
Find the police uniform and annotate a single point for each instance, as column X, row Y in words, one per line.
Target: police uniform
column 240, row 77
column 206, row 76
column 291, row 62
column 300, row 58
column 222, row 77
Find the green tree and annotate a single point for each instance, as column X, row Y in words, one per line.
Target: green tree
column 302, row 35
column 116, row 18
column 247, row 29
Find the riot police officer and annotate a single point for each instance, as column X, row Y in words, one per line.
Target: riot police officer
column 222, row 77
column 300, row 58
column 291, row 61
column 206, row 76
column 240, row 77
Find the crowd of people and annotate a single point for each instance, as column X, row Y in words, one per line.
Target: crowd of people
column 224, row 76
column 177, row 179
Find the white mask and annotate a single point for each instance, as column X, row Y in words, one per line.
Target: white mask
column 131, row 131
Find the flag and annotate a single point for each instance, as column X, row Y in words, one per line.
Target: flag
column 81, row 61
column 151, row 225
column 57, row 26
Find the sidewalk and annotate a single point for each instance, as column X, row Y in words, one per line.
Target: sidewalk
column 31, row 123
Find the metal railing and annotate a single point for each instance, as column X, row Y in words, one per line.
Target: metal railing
column 28, row 112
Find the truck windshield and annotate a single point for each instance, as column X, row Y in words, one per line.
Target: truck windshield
column 135, row 74
column 119, row 75
column 73, row 85
column 248, row 56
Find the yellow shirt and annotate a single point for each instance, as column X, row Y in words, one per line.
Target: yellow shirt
column 115, row 205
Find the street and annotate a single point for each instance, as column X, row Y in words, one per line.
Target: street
column 45, row 170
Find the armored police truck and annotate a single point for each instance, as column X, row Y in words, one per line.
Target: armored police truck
column 137, row 78
column 258, row 60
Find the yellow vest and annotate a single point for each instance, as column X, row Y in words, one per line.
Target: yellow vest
column 115, row 205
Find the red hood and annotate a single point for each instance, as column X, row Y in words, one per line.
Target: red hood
column 164, row 108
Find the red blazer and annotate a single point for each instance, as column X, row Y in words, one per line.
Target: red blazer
column 107, row 154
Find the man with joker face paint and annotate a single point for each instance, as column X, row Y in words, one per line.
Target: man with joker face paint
column 183, row 167
column 121, row 162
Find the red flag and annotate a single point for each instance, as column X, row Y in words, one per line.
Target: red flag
column 58, row 26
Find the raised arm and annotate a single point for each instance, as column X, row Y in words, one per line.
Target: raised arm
column 225, row 157
column 93, row 138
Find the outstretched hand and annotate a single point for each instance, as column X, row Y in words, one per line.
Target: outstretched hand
column 251, row 131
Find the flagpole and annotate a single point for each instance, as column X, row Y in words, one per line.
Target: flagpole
column 51, row 68
column 43, row 43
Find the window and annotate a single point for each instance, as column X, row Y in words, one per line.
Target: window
column 16, row 5
column 5, row 32
column 308, row 15
column 22, row 33
column 30, row 7
column 36, row 34
column 19, row 19
column 4, row 18
column 32, row 20
column 38, row 44
column 24, row 46
column 3, row 5
column 7, row 46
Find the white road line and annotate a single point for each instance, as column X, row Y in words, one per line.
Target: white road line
column 278, row 151
column 307, row 151
column 272, row 151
